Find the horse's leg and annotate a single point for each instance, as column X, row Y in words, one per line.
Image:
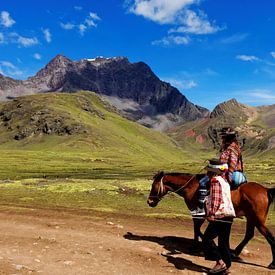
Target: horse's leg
column 271, row 240
column 196, row 247
column 249, row 234
column 197, row 228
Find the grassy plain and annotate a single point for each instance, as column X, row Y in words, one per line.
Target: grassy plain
column 83, row 181
column 107, row 168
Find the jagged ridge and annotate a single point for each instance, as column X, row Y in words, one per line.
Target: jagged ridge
column 133, row 83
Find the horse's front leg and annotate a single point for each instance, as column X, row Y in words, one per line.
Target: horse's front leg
column 197, row 222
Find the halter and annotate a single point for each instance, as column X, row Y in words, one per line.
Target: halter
column 161, row 186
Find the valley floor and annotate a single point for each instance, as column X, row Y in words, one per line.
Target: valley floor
column 41, row 241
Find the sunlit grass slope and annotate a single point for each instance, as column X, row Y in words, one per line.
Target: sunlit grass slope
column 100, row 141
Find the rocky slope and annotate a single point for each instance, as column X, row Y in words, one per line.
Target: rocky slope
column 132, row 87
column 256, row 127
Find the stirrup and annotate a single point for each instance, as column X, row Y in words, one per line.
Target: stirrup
column 198, row 212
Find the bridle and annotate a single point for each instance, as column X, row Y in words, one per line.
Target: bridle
column 161, row 194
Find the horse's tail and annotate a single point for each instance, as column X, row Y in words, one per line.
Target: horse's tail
column 271, row 194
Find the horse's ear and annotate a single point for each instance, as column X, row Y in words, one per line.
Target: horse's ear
column 159, row 175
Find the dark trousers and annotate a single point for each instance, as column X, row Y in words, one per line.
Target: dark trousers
column 219, row 228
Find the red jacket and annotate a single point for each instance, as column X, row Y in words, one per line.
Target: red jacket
column 231, row 156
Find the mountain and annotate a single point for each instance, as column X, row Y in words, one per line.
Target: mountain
column 255, row 125
column 7, row 84
column 131, row 87
column 81, row 122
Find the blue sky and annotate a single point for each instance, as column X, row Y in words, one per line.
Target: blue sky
column 211, row 50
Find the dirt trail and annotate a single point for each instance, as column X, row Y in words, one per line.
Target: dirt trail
column 53, row 242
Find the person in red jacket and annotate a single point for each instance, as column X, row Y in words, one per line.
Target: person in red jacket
column 230, row 153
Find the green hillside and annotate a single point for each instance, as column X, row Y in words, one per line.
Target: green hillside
column 64, row 135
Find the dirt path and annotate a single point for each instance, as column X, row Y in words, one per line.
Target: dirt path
column 55, row 242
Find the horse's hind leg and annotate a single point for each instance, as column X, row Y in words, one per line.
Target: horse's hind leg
column 249, row 234
column 271, row 240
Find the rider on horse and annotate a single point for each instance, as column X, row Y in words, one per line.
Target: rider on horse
column 230, row 153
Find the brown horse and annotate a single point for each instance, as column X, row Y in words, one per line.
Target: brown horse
column 251, row 200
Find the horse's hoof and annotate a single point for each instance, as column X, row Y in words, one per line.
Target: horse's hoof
column 271, row 266
column 235, row 257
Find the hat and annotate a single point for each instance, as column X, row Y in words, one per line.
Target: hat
column 216, row 166
column 228, row 131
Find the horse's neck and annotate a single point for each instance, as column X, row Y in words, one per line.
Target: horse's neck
column 185, row 186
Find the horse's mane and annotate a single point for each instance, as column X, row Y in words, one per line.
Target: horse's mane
column 160, row 174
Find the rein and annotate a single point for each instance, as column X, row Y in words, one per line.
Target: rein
column 161, row 186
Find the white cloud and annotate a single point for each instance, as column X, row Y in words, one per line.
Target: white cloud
column 7, row 68
column 2, row 39
column 160, row 11
column 170, row 40
column 247, row 57
column 94, row 16
column 175, row 12
column 272, row 54
column 194, row 23
column 67, row 26
column 27, row 42
column 89, row 21
column 258, row 96
column 47, row 35
column 37, row 56
column 7, row 64
column 235, row 38
column 181, row 84
column 16, row 38
column 263, row 95
column 6, row 20
column 82, row 29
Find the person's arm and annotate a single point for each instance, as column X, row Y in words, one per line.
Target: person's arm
column 224, row 156
column 230, row 156
column 216, row 196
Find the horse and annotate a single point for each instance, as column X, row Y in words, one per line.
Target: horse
column 250, row 199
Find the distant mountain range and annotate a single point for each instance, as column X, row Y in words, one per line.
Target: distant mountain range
column 137, row 94
column 255, row 126
column 132, row 87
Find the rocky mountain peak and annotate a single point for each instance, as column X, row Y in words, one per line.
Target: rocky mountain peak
column 140, row 95
column 225, row 108
column 58, row 64
column 100, row 60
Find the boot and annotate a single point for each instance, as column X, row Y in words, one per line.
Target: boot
column 200, row 211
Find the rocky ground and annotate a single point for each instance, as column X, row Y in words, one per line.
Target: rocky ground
column 35, row 241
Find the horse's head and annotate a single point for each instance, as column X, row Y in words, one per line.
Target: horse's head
column 158, row 190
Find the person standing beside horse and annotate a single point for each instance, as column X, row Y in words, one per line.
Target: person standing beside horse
column 220, row 214
column 230, row 153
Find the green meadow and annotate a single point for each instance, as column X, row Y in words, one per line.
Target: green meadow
column 80, row 181
column 107, row 168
